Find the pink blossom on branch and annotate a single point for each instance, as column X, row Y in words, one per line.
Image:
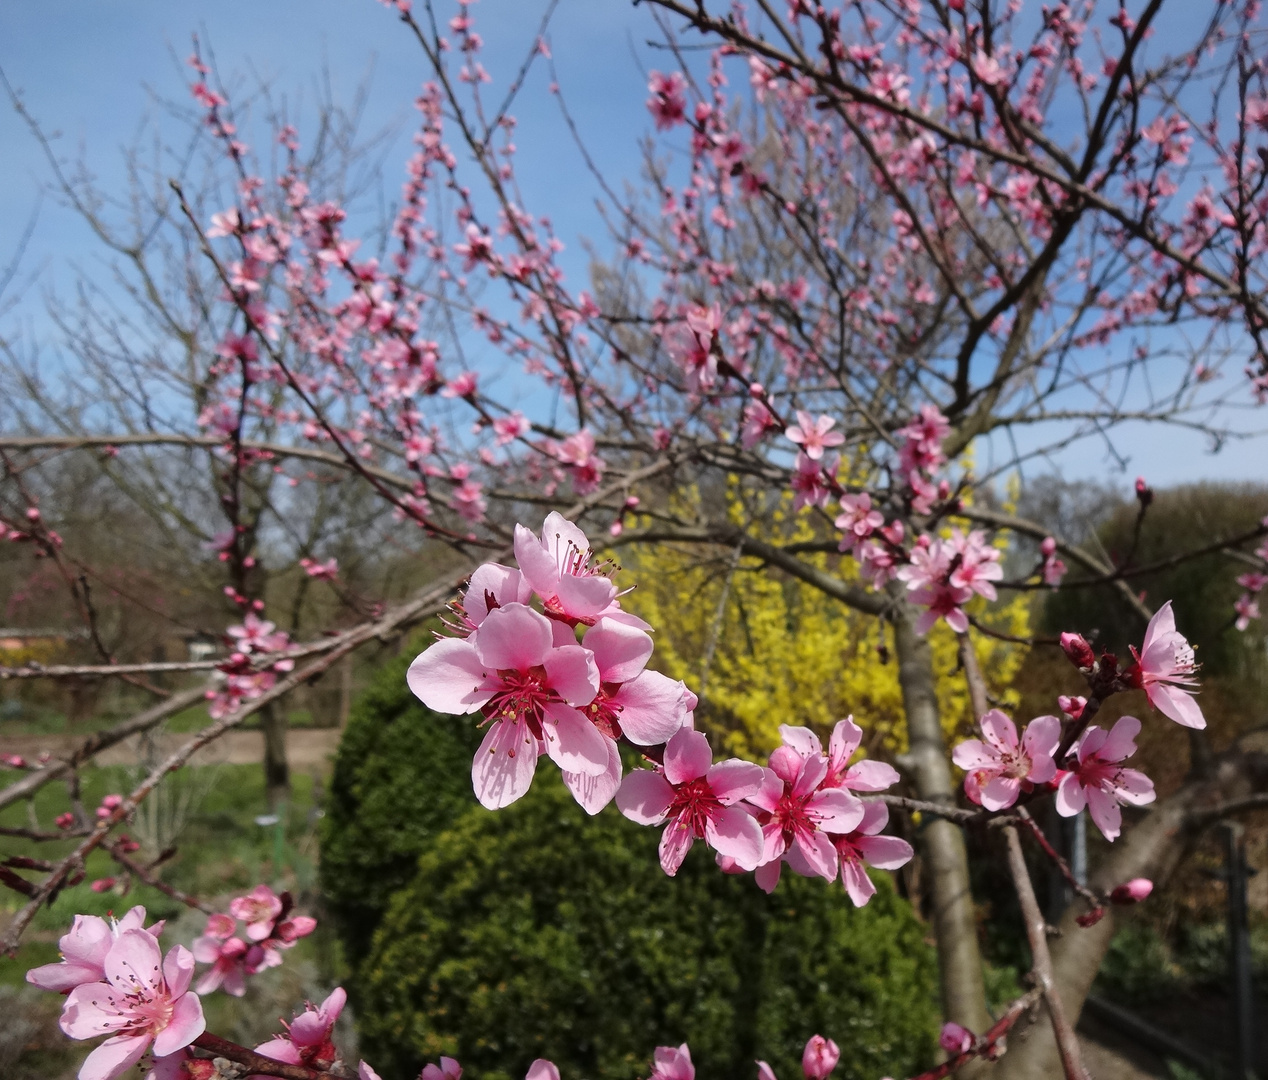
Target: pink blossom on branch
column 307, row 1039
column 1164, row 669
column 814, row 436
column 865, row 846
column 819, row 1058
column 84, row 950
column 143, row 1001
column 1098, row 779
column 448, row 1069
column 696, row 799
column 998, row 767
column 529, row 691
column 672, row 1063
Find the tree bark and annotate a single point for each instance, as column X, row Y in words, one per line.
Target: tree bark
column 942, row 842
column 1151, row 849
column 277, row 773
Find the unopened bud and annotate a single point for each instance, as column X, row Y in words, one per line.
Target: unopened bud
column 1144, row 492
column 1078, row 650
column 1048, row 547
column 1072, row 706
column 1132, row 892
column 756, row 389
column 955, row 1039
column 1091, row 918
column 820, row 1057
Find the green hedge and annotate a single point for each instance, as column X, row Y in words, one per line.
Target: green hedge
column 403, row 773
column 538, row 931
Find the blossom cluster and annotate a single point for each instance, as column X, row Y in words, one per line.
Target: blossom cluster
column 1000, row 767
column 249, row 672
column 568, row 679
column 270, row 928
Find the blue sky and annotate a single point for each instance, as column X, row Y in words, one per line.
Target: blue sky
column 90, row 70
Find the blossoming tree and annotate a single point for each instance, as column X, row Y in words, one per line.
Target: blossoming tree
column 909, row 249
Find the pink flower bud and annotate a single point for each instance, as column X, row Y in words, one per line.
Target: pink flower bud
column 1132, row 892
column 819, row 1058
column 955, row 1039
column 756, row 389
column 1072, row 706
column 1078, row 650
column 765, row 1072
column 1048, row 547
column 32, row 514
column 103, row 884
column 1143, row 492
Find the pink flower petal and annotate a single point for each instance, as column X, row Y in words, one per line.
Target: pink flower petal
column 818, row 852
column 134, row 961
column 1120, row 743
column 868, row 775
column 571, row 672
column 885, row 852
column 281, row 1050
column 1070, row 796
column 846, row 736
column 653, row 707
column 185, row 1026
column 1105, row 812
column 644, row 797
column 114, row 1057
column 503, row 584
column 1000, row 792
column 1000, row 731
column 572, row 742
column 975, row 754
column 541, row 1069
column 178, row 970
column 836, row 810
column 447, row 677
column 767, row 875
column 514, row 637
column 768, row 795
column 801, row 739
column 733, row 832
column 858, row 886
column 585, row 596
column 1176, row 704
column 733, row 780
column 539, row 566
column 503, row 767
column 875, row 818
column 593, row 793
column 687, row 756
column 621, row 652
column 1133, row 786
column 675, row 842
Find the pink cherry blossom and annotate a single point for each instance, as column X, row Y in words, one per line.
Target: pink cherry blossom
column 557, row 568
column 955, row 1039
column 929, row 577
column 857, row 519
column 1164, row 669
column 863, row 775
column 997, row 768
column 491, row 586
column 865, row 845
column 307, row 1039
column 819, row 1058
column 527, row 687
column 672, row 1063
column 1100, row 782
column 84, row 950
column 690, row 344
column 978, row 563
column 448, row 1069
column 696, row 798
column 759, row 421
column 259, row 909
column 811, row 481
column 143, row 1001
column 668, row 103
column 814, row 436
column 257, row 635
column 321, row 571
column 225, row 953
column 798, row 812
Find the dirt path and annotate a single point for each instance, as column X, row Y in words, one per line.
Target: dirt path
column 306, row 748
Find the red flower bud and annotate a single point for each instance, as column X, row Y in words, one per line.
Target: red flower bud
column 1078, row 650
column 1091, row 918
column 1132, row 892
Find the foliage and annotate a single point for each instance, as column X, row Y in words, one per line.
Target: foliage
column 787, row 653
column 402, row 774
column 539, row 931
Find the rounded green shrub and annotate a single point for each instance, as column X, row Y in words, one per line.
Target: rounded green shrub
column 401, row 776
column 538, row 931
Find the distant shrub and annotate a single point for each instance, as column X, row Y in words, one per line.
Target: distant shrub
column 539, row 931
column 402, row 774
